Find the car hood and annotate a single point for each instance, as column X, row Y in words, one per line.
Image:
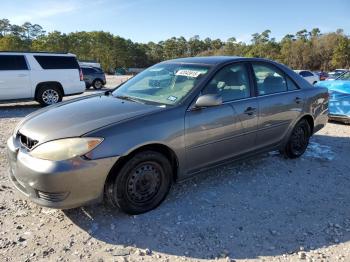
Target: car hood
column 80, row 116
column 342, row 86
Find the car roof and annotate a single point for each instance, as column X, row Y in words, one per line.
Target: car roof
column 299, row 70
column 37, row 53
column 213, row 60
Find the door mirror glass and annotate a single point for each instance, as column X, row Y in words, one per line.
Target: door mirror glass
column 208, row 100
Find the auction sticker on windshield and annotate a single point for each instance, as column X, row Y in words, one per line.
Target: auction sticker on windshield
column 172, row 98
column 189, row 73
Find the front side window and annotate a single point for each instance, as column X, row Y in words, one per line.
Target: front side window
column 269, row 79
column 165, row 84
column 231, row 82
column 13, row 62
column 345, row 76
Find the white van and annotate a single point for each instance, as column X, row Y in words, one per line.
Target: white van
column 43, row 77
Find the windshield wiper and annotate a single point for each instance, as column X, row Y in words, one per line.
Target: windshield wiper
column 128, row 98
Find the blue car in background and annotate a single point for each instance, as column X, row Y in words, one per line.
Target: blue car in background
column 339, row 97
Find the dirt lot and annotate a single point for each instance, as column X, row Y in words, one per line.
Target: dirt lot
column 267, row 209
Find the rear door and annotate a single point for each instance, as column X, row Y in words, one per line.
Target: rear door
column 14, row 77
column 216, row 133
column 63, row 69
column 280, row 103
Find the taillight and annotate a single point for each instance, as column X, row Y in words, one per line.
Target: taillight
column 81, row 74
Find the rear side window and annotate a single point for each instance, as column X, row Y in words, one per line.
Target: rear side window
column 305, row 73
column 98, row 70
column 269, row 79
column 88, row 70
column 57, row 62
column 291, row 85
column 13, row 62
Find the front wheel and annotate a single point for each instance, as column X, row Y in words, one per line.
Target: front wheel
column 141, row 184
column 299, row 140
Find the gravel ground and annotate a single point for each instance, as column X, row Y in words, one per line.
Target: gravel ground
column 266, row 209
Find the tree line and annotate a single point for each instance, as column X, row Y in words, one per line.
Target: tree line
column 303, row 50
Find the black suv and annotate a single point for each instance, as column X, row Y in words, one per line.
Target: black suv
column 94, row 77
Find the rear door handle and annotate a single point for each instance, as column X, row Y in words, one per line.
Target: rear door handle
column 298, row 100
column 250, row 111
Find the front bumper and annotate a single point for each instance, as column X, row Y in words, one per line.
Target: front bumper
column 57, row 184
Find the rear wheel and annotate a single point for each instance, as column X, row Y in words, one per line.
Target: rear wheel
column 49, row 95
column 299, row 140
column 97, row 84
column 141, row 184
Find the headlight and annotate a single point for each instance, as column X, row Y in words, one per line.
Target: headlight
column 66, row 148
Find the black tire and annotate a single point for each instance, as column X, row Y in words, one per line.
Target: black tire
column 141, row 184
column 299, row 140
column 49, row 95
column 97, row 84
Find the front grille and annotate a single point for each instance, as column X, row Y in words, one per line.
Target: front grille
column 52, row 197
column 26, row 141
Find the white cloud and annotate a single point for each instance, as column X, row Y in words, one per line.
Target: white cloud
column 246, row 38
column 43, row 10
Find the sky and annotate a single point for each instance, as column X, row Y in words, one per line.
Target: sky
column 156, row 20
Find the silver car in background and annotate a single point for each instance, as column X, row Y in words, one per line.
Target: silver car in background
column 171, row 121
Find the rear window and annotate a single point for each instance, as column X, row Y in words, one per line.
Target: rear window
column 57, row 62
column 305, row 73
column 89, row 71
column 13, row 62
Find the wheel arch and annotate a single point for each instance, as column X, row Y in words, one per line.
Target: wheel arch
column 157, row 147
column 48, row 84
column 96, row 79
column 310, row 121
column 308, row 118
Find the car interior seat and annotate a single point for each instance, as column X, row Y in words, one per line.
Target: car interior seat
column 235, row 86
column 272, row 84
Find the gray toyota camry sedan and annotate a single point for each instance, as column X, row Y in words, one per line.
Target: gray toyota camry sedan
column 173, row 120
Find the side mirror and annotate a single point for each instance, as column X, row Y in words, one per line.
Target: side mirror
column 208, row 100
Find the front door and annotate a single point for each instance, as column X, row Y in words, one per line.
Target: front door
column 213, row 134
column 14, row 77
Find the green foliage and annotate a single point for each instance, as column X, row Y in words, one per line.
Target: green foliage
column 306, row 50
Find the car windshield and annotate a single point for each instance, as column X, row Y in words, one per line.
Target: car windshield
column 345, row 76
column 165, row 84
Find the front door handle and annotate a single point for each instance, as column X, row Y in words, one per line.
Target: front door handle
column 250, row 111
column 298, row 100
